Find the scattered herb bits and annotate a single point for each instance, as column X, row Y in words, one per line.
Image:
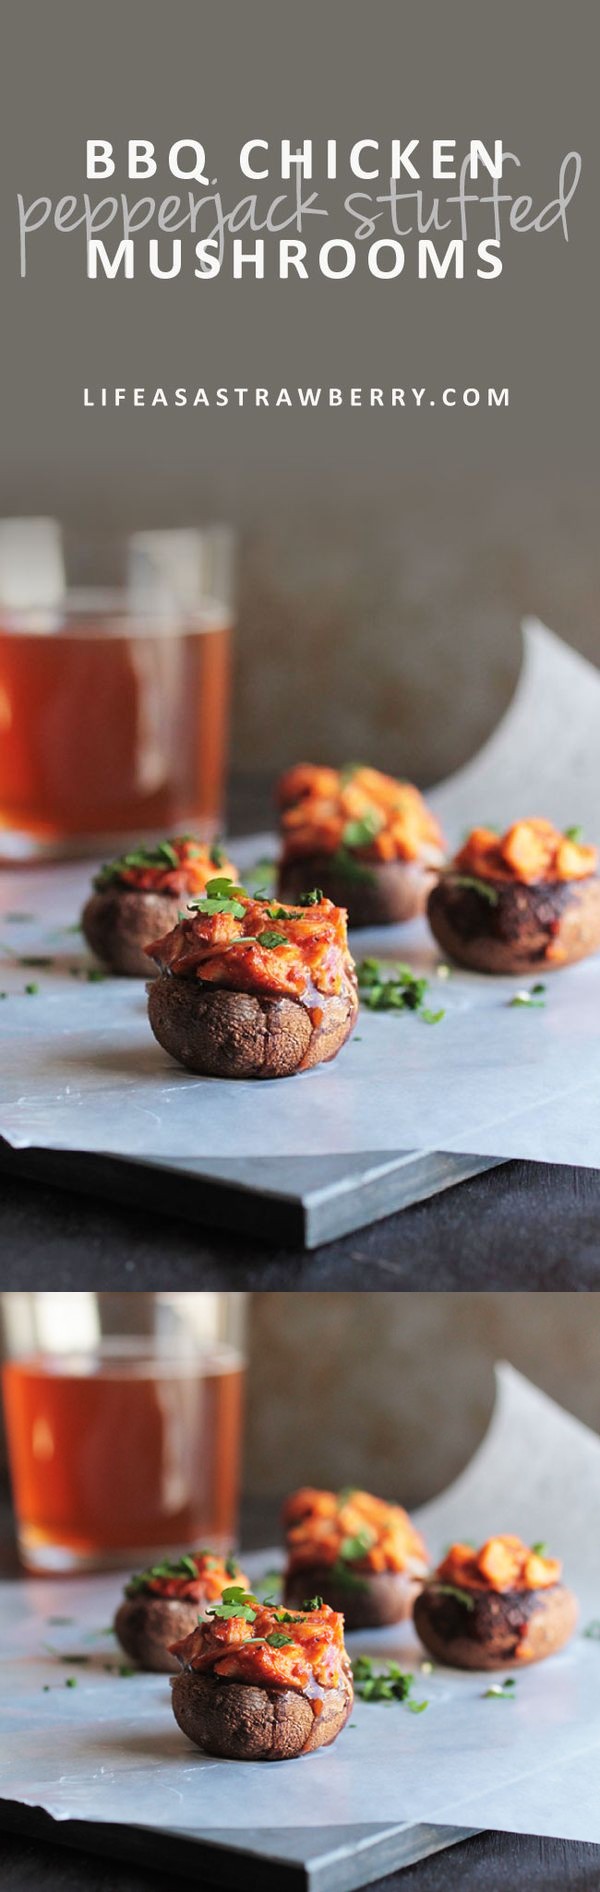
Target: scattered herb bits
column 385, row 987
column 501, row 1691
column 534, row 997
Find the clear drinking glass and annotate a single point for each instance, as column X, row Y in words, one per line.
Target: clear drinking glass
column 114, row 699
column 124, row 1424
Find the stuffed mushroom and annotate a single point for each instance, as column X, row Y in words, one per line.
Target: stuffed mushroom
column 251, row 988
column 495, row 1608
column 362, row 1556
column 142, row 894
column 166, row 1601
column 521, row 902
column 263, row 1684
column 369, row 841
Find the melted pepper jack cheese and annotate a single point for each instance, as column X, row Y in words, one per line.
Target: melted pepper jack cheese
column 262, row 947
column 529, row 851
column 368, row 814
column 323, row 1527
column 503, row 1563
column 277, row 1649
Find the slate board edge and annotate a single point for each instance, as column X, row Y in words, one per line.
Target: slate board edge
column 304, row 1206
column 306, row 1863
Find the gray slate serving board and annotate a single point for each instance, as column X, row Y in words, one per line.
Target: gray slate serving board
column 318, row 1859
column 301, row 1200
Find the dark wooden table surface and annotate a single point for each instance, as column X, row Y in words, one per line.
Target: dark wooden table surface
column 521, row 1226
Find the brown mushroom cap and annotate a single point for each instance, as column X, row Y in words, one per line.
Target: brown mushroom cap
column 501, row 1629
column 221, row 1033
column 118, row 923
column 146, row 1626
column 367, row 1600
column 522, row 929
column 241, row 1723
column 380, row 893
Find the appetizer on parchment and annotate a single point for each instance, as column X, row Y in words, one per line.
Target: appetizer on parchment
column 260, row 1683
column 369, row 841
column 362, row 1555
column 142, row 893
column 524, row 901
column 496, row 1607
column 165, row 1602
column 250, row 988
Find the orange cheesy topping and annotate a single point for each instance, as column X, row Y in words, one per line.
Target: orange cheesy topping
column 277, row 1649
column 324, row 1528
column 179, row 866
column 529, row 851
column 503, row 1563
column 261, row 946
column 201, row 1576
column 360, row 811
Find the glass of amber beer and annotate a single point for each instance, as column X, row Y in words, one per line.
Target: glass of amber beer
column 114, row 700
column 124, row 1422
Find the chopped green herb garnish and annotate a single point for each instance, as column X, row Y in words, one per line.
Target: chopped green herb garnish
column 40, row 961
column 574, row 834
column 71, row 1681
column 450, row 1589
column 416, row 1707
column 232, row 1566
column 389, row 1684
column 312, row 899
column 353, row 1548
column 345, row 1495
column 501, row 1691
column 349, row 866
column 592, row 1631
column 531, row 999
column 180, row 1567
column 217, row 854
column 271, row 939
column 31, row 989
column 481, row 887
column 540, row 1550
column 385, row 987
column 361, row 833
column 221, row 896
column 236, row 1602
column 312, row 1603
column 162, row 855
column 123, row 1669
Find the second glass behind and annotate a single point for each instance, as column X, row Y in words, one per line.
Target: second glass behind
column 124, row 1425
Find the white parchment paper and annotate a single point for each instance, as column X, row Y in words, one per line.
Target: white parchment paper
column 80, row 1069
column 109, row 1748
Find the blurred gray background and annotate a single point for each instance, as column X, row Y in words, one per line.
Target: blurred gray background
column 385, row 558
column 394, row 1391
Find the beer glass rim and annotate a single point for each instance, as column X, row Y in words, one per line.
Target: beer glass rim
column 90, row 609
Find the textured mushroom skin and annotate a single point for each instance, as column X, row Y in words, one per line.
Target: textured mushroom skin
column 146, row 1625
column 220, row 1033
column 369, row 1601
column 238, row 1722
column 528, row 929
column 119, row 922
column 503, row 1629
column 386, row 894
